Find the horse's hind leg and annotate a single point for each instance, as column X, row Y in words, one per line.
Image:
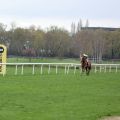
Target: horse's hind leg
column 82, row 71
column 88, row 71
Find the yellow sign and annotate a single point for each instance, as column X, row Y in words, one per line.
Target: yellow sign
column 3, row 55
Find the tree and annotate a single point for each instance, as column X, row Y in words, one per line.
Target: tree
column 17, row 41
column 38, row 42
column 83, row 42
column 79, row 26
column 112, row 44
column 73, row 28
column 56, row 42
column 3, row 36
column 98, row 45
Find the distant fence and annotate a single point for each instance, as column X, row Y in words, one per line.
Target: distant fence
column 65, row 66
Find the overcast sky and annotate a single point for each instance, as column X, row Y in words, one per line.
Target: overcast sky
column 101, row 13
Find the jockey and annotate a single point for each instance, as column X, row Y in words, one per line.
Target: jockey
column 85, row 56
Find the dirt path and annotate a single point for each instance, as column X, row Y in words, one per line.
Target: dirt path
column 111, row 118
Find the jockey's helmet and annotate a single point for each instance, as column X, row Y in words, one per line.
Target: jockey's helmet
column 85, row 55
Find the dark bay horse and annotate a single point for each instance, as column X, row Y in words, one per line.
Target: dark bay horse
column 86, row 65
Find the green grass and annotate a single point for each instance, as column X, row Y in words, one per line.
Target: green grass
column 53, row 60
column 43, row 60
column 59, row 97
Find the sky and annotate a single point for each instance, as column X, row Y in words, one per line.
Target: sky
column 45, row 13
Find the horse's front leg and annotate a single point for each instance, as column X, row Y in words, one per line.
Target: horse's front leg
column 82, row 70
column 87, row 71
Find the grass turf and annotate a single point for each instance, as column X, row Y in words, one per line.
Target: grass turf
column 43, row 60
column 54, row 60
column 59, row 97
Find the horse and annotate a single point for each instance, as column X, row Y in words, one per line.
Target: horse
column 85, row 65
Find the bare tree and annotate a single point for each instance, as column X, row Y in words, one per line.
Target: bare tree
column 79, row 26
column 73, row 28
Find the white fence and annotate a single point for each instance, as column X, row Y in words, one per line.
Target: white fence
column 66, row 67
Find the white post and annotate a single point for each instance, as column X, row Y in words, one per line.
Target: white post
column 110, row 68
column 56, row 69
column 22, row 70
column 3, row 74
column 95, row 69
column 33, row 70
column 74, row 69
column 65, row 69
column 16, row 69
column 80, row 68
column 116, row 68
column 49, row 70
column 105, row 69
column 100, row 68
column 41, row 69
column 68, row 69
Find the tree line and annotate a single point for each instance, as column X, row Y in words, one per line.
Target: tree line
column 59, row 42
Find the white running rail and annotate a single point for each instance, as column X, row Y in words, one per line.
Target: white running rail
column 66, row 66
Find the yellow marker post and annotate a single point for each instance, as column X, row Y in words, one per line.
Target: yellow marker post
column 3, row 55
